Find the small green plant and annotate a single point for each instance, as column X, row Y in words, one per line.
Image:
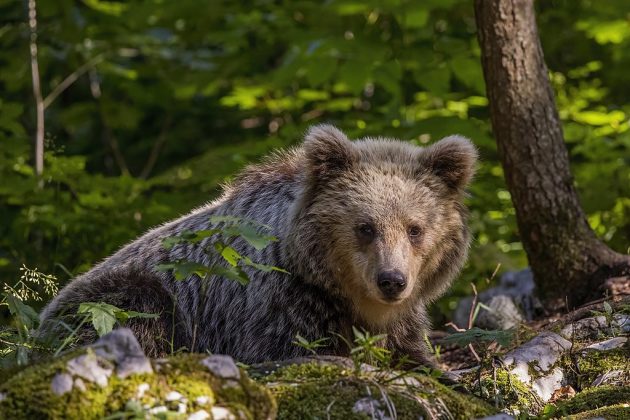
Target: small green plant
column 104, row 316
column 311, row 346
column 369, row 349
column 436, row 350
column 216, row 240
column 17, row 340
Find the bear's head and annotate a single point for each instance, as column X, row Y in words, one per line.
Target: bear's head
column 380, row 221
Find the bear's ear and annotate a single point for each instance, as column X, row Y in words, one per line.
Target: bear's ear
column 452, row 159
column 328, row 150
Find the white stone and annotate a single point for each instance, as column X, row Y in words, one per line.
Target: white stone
column 87, row 366
column 158, row 409
column 181, row 408
column 203, row 400
column 199, row 415
column 79, row 384
column 61, row 383
column 142, row 388
column 221, row 413
column 545, row 386
column 173, row 396
column 543, row 352
column 611, row 344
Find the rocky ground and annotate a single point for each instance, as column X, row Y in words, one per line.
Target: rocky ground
column 576, row 366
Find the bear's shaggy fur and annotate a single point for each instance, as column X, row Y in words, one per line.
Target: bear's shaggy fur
column 344, row 213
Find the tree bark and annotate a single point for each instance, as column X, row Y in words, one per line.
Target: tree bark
column 567, row 259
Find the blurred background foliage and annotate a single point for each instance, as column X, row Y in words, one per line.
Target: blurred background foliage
column 172, row 98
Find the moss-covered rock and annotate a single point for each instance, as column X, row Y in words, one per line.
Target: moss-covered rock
column 595, row 398
column 175, row 388
column 616, row 412
column 592, row 364
column 326, row 390
column 508, row 393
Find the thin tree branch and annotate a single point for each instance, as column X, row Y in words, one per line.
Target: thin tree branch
column 37, row 90
column 113, row 144
column 70, row 79
column 157, row 148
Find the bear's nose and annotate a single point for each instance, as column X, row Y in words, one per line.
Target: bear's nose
column 391, row 283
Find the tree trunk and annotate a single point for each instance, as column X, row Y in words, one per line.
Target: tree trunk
column 568, row 261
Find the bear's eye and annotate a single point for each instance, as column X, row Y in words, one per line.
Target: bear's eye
column 414, row 232
column 366, row 230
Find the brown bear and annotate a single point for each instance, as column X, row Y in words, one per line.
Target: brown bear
column 370, row 232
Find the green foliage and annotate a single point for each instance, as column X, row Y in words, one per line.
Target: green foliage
column 369, row 349
column 230, row 227
column 104, row 316
column 17, row 339
column 311, row 346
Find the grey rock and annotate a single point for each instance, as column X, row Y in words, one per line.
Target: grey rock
column 500, row 416
column 594, row 327
column 614, row 377
column 222, row 366
column 544, row 351
column 91, row 368
column 622, row 321
column 3, row 396
column 503, row 314
column 61, row 383
column 122, row 349
column 611, row 344
column 513, row 301
column 586, row 328
column 370, row 407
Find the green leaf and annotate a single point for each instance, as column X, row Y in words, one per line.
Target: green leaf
column 102, row 315
column 250, row 234
column 263, row 267
column 185, row 269
column 228, row 253
column 188, row 237
column 476, row 335
column 608, row 308
column 122, row 316
column 25, row 315
column 231, row 273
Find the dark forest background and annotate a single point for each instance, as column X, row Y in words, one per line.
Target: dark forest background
column 151, row 105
